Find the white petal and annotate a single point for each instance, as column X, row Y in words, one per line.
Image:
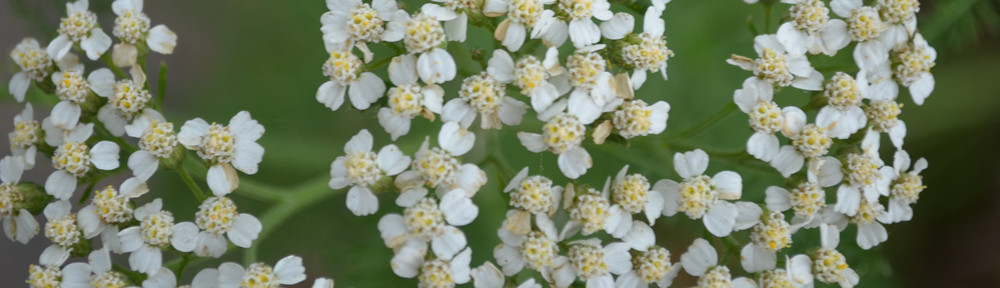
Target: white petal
column 65, row 114
column 512, row 111
column 455, row 139
column 18, row 86
column 721, row 218
column 289, row 270
column 218, row 180
column 359, row 143
column 146, row 260
column 574, row 162
column 848, row 200
column 749, row 215
column 487, row 276
column 691, row 163
column 161, row 39
column 441, row 13
column 210, row 245
column 192, row 132
column 392, row 160
column 407, row 261
column 871, row 234
column 699, row 256
column 501, row 66
column 778, row 199
column 515, row 36
column 60, row 184
column 185, row 237
column 448, row 243
column 640, row 237
column 763, row 146
column 244, row 231
column 96, row 44
column 361, row 201
column 617, row 257
column 728, row 184
column 403, row 70
column 619, row 25
column 671, row 196
column 53, row 256
column 331, row 94
column 455, row 29
column 366, row 90
column 131, row 239
column 756, row 259
column 788, row 161
column 436, row 66
column 533, row 142
column 143, row 164
column 458, row 209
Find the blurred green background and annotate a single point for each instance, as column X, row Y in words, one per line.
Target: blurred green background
column 266, row 57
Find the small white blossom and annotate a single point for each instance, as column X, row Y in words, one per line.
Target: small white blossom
column 913, row 70
column 811, row 29
column 74, row 159
column 563, row 135
column 62, row 230
column 906, row 187
column 351, row 23
column 766, row 118
column 408, row 99
column 702, row 261
column 594, row 264
column 225, row 148
column 428, row 220
column 35, row 65
column 829, row 265
column 74, row 91
column 157, row 140
column 363, row 169
column 79, row 27
column 108, row 209
column 440, row 168
column 288, row 271
column 864, row 26
column 347, row 74
column 18, row 224
column 536, row 249
column 651, row 266
column 97, row 272
column 132, row 28
column 156, row 231
column 523, row 16
column 216, row 216
column 128, row 101
column 482, row 94
column 779, row 67
column 701, row 197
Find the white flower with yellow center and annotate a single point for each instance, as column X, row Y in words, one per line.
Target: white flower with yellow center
column 592, row 211
column 829, row 265
column 108, row 209
column 811, row 29
column 62, row 230
column 347, row 74
column 97, row 272
column 702, row 261
column 482, row 94
column 651, row 266
column 807, row 199
column 129, row 100
column 433, row 272
column 648, row 51
column 797, row 274
column 456, row 28
column 536, row 249
column 593, row 91
column 429, row 220
column 914, row 68
column 25, row 137
column 523, row 16
column 701, row 197
column 901, row 18
column 216, row 216
column 225, row 147
column 636, row 118
column 408, row 99
column 79, row 27
column 779, row 67
column 843, row 114
column 156, row 231
column 132, row 29
column 288, row 271
column 808, row 142
column 45, row 276
column 157, row 140
column 869, row 219
column 579, row 13
column 35, row 64
column 769, row 236
column 906, row 187
column 74, row 159
column 595, row 264
column 864, row 26
column 766, row 118
column 530, row 75
column 488, row 276
column 563, row 135
column 75, row 91
column 363, row 169
column 535, row 194
column 883, row 114
column 439, row 168
column 865, row 176
column 351, row 23
column 18, row 224
column 424, row 35
column 632, row 192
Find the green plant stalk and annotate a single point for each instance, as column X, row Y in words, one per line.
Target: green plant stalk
column 695, row 129
column 302, row 196
column 252, row 189
column 190, row 183
column 111, row 64
column 161, row 87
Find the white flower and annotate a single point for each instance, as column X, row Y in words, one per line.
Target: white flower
column 701, row 260
column 18, row 224
column 914, row 68
column 408, row 99
column 530, row 75
column 73, row 159
column 157, row 140
column 594, row 264
column 650, row 53
column 591, row 211
column 288, row 271
column 829, row 265
column 128, row 101
column 563, row 135
column 901, row 17
column 108, row 209
column 866, row 176
column 883, row 115
column 766, row 118
column 74, row 91
column 779, row 67
column 843, row 113
column 768, row 237
column 423, row 36
column 536, row 249
column 347, row 74
column 523, row 16
column 363, row 170
column 206, row 278
column 62, row 230
column 632, row 192
column 636, row 118
column 592, row 92
column 906, row 187
column 79, row 27
column 323, row 283
column 164, row 278
column 26, row 135
column 808, row 142
column 45, row 276
column 534, row 194
column 352, row 23
column 867, row 28
column 807, row 199
column 35, row 64
column 132, row 27
column 156, row 231
column 439, row 168
column 797, row 274
column 428, row 220
column 444, row 272
column 456, row 28
column 651, row 266
column 215, row 217
column 701, row 197
column 225, row 147
column 582, row 30
column 811, row 29
column 96, row 273
column 483, row 94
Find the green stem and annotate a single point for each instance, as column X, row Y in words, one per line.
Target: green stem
column 719, row 115
column 86, row 193
column 379, row 63
column 180, row 269
column 248, row 187
column 302, row 196
column 111, row 64
column 190, row 183
column 162, row 86
column 768, row 9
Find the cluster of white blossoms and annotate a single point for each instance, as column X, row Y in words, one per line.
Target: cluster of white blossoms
column 579, row 232
column 103, row 118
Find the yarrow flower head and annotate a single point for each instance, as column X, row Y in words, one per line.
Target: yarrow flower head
column 225, row 148
column 26, row 137
column 156, row 231
column 74, row 159
column 843, row 113
column 62, row 230
column 427, row 220
column 355, row 23
column 866, row 27
column 563, row 135
column 482, row 94
column 766, row 118
column 906, row 187
column 130, row 100
column 79, row 27
column 157, row 142
column 769, row 236
column 347, row 74
column 538, row 249
column 366, row 171
column 78, row 93
column 18, row 223
column 594, row 263
column 648, row 267
column 288, row 271
column 132, row 29
column 440, row 168
column 636, row 118
column 779, row 67
column 829, row 265
column 702, row 197
column 108, row 209
column 702, row 261
column 408, row 99
column 913, row 68
column 97, row 272
column 424, row 35
column 35, row 64
column 535, row 194
column 216, row 216
column 811, row 29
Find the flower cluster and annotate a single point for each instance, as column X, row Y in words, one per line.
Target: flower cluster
column 103, row 117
